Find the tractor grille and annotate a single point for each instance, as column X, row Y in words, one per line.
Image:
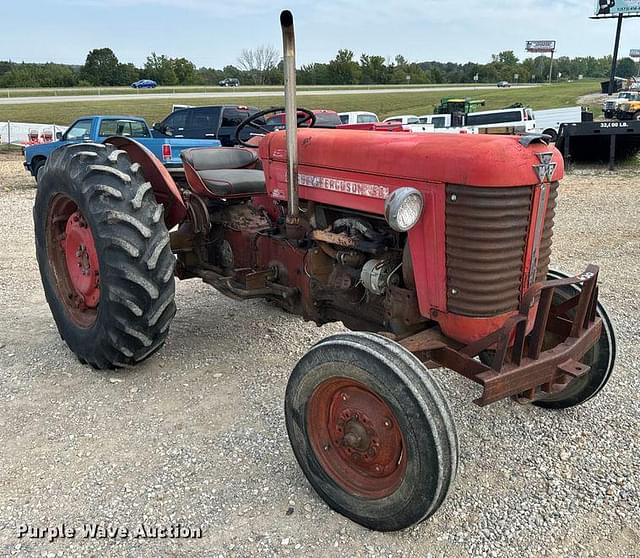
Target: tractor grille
column 486, row 232
column 544, row 257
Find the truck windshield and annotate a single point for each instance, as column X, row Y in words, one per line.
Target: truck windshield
column 127, row 128
column 79, row 130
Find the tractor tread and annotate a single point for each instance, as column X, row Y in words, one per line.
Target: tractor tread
column 136, row 202
column 112, row 216
column 136, row 263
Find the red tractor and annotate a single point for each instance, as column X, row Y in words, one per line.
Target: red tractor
column 434, row 249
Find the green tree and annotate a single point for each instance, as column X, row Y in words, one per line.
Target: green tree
column 314, row 74
column 504, row 65
column 160, row 69
column 185, row 71
column 373, row 69
column 506, row 57
column 208, row 76
column 39, row 75
column 5, row 66
column 127, row 74
column 343, row 70
column 100, row 67
column 626, row 68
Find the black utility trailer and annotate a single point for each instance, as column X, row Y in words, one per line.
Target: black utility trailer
column 598, row 141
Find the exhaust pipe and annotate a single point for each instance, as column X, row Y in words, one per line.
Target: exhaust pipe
column 291, row 113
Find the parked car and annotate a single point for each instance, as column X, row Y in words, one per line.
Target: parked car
column 359, row 117
column 403, row 119
column 144, row 84
column 229, row 82
column 95, row 129
column 210, row 122
column 504, row 84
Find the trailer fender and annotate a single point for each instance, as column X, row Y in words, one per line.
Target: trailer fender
column 164, row 187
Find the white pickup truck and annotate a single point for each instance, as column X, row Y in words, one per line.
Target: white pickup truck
column 358, row 117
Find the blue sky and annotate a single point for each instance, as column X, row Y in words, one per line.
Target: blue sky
column 213, row 32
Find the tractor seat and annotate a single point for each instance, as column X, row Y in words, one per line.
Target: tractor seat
column 218, row 158
column 226, row 171
column 233, row 182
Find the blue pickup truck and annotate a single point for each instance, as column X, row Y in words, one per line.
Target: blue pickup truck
column 96, row 129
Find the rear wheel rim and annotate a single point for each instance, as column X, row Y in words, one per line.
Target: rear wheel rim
column 356, row 438
column 73, row 258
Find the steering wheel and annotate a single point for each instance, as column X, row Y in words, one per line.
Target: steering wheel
column 251, row 122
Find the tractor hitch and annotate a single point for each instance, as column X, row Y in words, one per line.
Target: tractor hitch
column 524, row 359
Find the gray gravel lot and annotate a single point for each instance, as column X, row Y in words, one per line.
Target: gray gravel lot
column 196, row 435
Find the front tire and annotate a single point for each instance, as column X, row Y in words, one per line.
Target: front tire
column 371, row 431
column 601, row 358
column 104, row 255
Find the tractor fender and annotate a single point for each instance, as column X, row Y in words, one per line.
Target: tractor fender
column 164, row 187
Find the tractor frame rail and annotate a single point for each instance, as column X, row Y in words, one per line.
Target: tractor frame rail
column 521, row 366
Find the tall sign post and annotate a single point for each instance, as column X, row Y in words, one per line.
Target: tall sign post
column 634, row 54
column 543, row 47
column 620, row 9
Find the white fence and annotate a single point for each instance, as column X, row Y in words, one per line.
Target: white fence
column 27, row 133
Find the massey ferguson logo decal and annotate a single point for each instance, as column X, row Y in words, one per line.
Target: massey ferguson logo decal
column 547, row 168
column 344, row 186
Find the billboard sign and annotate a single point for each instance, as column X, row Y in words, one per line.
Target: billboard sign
column 635, row 53
column 542, row 46
column 617, row 7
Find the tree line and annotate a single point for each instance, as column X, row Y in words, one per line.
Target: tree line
column 263, row 66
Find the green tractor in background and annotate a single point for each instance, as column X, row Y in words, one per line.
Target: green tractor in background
column 452, row 105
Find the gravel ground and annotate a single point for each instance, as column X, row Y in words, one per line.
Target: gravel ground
column 196, row 435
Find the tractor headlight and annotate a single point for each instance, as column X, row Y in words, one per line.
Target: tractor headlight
column 403, row 209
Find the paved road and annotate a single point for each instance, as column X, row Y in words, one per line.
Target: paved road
column 240, row 94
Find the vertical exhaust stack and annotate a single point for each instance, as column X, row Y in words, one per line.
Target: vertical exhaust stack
column 291, row 113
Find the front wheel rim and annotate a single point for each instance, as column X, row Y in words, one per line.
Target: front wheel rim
column 73, row 258
column 356, row 438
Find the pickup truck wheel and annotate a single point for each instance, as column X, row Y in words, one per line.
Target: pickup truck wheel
column 37, row 168
column 104, row 255
column 551, row 133
column 371, row 430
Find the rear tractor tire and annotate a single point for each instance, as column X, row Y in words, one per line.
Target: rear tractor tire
column 371, row 431
column 104, row 255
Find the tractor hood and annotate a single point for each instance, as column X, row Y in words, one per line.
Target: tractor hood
column 472, row 160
